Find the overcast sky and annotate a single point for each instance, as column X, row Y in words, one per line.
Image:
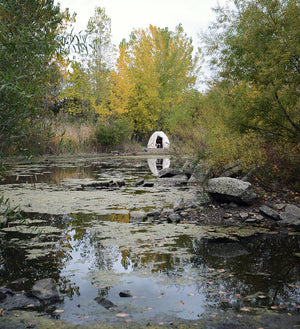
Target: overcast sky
column 127, row 15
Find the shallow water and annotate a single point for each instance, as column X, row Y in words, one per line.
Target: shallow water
column 172, row 271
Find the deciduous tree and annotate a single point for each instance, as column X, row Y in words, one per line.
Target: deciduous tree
column 255, row 46
column 31, row 52
column 158, row 68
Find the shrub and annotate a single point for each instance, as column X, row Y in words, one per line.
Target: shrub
column 113, row 134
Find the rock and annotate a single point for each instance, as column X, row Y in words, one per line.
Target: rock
column 251, row 220
column 174, row 218
column 105, row 303
column 148, row 184
column 244, row 215
column 179, row 180
column 155, row 213
column 7, row 291
column 139, row 182
column 168, row 172
column 232, row 170
column 138, row 216
column 193, row 179
column 120, row 183
column 289, row 219
column 227, row 189
column 103, row 184
column 280, row 206
column 179, row 204
column 125, row 293
column 293, row 210
column 269, row 212
column 45, row 290
column 259, row 217
column 201, row 172
column 2, row 296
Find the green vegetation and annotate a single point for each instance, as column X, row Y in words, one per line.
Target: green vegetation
column 32, row 55
column 248, row 114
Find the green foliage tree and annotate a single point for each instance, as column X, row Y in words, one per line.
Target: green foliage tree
column 159, row 70
column 76, row 95
column 254, row 47
column 87, row 85
column 31, row 54
column 100, row 62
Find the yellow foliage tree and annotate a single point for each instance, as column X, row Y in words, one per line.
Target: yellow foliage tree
column 122, row 87
column 155, row 70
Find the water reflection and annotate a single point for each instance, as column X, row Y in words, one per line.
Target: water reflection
column 170, row 272
column 156, row 165
column 57, row 173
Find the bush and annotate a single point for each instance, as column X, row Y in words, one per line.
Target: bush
column 114, row 134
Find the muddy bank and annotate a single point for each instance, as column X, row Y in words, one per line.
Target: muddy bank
column 271, row 320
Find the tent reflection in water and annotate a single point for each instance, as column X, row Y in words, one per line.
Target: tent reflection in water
column 156, row 165
column 158, row 140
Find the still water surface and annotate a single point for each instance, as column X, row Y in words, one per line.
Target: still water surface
column 172, row 271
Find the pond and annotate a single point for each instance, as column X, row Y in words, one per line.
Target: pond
column 85, row 241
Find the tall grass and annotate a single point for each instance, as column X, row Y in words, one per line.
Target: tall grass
column 65, row 135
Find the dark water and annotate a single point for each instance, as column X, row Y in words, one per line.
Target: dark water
column 169, row 275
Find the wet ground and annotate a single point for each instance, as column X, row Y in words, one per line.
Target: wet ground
column 188, row 275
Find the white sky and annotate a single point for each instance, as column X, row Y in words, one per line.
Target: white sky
column 127, row 15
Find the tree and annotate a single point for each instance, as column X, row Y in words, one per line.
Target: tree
column 122, row 87
column 157, row 68
column 255, row 47
column 31, row 53
column 101, row 58
column 76, row 95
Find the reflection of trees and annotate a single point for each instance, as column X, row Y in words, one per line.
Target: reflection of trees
column 269, row 268
column 16, row 266
column 264, row 264
column 148, row 256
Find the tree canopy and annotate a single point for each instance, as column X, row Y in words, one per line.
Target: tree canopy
column 155, row 70
column 31, row 58
column 254, row 47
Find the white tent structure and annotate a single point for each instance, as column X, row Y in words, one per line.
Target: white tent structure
column 158, row 140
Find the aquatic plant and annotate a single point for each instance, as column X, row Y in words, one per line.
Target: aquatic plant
column 7, row 212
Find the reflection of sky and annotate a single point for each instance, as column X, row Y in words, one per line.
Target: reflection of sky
column 151, row 298
column 118, row 267
column 162, row 286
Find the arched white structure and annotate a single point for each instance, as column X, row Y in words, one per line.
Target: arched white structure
column 158, row 140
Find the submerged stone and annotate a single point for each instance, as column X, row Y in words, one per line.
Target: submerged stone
column 105, row 303
column 125, row 293
column 45, row 290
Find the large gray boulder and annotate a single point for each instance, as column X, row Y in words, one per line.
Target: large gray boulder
column 227, row 189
